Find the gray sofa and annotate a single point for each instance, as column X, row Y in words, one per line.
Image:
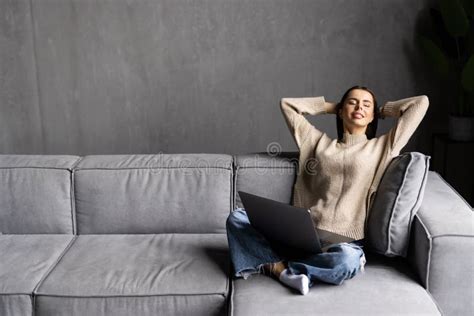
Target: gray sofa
column 145, row 235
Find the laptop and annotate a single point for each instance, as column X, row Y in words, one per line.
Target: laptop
column 289, row 229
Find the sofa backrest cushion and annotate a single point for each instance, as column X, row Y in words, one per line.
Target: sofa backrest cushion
column 151, row 194
column 265, row 174
column 36, row 194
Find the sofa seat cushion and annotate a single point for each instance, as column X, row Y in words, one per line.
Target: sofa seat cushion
column 25, row 260
column 386, row 287
column 164, row 274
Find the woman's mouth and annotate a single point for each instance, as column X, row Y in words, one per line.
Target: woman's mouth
column 357, row 115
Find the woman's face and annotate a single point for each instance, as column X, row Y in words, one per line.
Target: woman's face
column 358, row 110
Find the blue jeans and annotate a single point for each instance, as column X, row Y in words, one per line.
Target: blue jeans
column 249, row 251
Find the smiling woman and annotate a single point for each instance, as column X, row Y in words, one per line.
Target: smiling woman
column 339, row 191
column 358, row 112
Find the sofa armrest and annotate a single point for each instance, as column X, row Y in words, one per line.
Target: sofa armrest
column 442, row 247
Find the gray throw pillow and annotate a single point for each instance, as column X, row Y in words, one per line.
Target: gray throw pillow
column 396, row 202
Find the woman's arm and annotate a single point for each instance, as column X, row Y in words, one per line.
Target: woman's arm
column 294, row 109
column 410, row 112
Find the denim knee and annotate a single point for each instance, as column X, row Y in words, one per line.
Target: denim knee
column 348, row 262
column 237, row 218
column 351, row 255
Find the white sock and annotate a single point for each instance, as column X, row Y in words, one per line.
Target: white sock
column 363, row 261
column 299, row 282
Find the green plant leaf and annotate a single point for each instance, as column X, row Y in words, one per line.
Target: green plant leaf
column 467, row 75
column 441, row 36
column 434, row 55
column 454, row 17
column 468, row 7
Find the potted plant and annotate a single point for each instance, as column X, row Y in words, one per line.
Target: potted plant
column 448, row 46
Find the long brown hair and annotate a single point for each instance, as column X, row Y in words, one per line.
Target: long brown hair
column 371, row 128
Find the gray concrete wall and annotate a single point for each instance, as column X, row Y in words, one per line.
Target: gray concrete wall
column 148, row 76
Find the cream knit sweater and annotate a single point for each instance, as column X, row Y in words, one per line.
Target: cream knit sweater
column 337, row 179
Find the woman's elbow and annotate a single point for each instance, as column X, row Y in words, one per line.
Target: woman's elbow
column 424, row 101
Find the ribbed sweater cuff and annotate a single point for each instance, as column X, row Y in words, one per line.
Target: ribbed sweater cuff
column 318, row 105
column 391, row 109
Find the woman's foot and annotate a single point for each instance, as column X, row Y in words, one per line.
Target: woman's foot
column 279, row 271
column 299, row 282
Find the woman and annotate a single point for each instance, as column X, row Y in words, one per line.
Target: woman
column 336, row 180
